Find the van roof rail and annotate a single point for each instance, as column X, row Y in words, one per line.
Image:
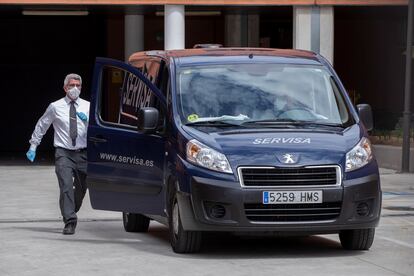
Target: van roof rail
column 207, row 45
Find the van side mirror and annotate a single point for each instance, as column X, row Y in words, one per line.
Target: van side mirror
column 365, row 114
column 147, row 119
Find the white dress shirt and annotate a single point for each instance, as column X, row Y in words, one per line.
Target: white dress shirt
column 57, row 113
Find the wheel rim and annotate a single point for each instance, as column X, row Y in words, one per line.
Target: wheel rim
column 175, row 218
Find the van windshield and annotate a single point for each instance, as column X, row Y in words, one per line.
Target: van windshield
column 260, row 93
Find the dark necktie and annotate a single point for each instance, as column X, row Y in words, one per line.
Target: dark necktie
column 73, row 126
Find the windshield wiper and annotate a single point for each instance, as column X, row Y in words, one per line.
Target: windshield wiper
column 318, row 124
column 270, row 122
column 291, row 122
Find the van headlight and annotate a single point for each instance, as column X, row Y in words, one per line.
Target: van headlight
column 359, row 156
column 203, row 156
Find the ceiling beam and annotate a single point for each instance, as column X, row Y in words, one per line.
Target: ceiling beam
column 209, row 2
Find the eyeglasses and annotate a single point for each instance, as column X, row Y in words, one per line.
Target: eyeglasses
column 73, row 85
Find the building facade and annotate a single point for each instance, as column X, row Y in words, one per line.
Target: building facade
column 42, row 41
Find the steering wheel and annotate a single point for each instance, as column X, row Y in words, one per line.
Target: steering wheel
column 304, row 113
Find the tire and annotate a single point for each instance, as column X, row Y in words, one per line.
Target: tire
column 135, row 222
column 182, row 241
column 358, row 239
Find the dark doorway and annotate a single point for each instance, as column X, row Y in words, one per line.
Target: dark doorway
column 369, row 58
column 276, row 28
column 36, row 54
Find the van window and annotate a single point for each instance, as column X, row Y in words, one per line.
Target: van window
column 122, row 94
column 259, row 92
column 159, row 75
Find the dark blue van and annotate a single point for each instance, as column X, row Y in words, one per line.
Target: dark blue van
column 235, row 140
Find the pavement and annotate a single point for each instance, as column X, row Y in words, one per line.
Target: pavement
column 398, row 193
column 31, row 242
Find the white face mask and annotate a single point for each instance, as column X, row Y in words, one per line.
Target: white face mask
column 73, row 93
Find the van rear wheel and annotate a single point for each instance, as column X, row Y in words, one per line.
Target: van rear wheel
column 182, row 241
column 135, row 222
column 357, row 239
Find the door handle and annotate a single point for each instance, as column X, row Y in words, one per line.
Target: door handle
column 98, row 139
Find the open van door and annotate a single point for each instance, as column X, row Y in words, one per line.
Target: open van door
column 125, row 166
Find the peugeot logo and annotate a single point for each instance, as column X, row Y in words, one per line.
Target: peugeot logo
column 289, row 158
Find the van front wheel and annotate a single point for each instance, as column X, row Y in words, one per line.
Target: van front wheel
column 182, row 241
column 357, row 239
column 135, row 222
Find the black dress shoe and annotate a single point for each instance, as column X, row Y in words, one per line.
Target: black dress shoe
column 69, row 228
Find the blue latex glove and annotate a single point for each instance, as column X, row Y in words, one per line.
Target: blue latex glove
column 31, row 154
column 82, row 116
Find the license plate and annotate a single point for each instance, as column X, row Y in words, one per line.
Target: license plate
column 291, row 197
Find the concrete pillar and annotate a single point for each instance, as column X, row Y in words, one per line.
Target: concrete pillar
column 233, row 30
column 253, row 32
column 301, row 28
column 327, row 33
column 134, row 34
column 242, row 30
column 174, row 27
column 313, row 29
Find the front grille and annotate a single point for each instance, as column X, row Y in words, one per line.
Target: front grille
column 305, row 176
column 292, row 212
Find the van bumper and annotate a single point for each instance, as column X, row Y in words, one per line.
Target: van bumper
column 353, row 196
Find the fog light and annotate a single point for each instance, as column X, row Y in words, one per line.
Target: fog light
column 362, row 209
column 217, row 211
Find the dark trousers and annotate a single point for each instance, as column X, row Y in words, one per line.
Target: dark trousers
column 70, row 168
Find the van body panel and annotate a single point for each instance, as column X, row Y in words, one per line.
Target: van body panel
column 117, row 181
column 130, row 172
column 234, row 199
column 213, row 60
column 314, row 147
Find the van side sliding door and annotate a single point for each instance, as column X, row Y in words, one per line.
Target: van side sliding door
column 125, row 166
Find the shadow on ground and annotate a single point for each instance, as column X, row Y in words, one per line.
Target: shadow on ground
column 215, row 245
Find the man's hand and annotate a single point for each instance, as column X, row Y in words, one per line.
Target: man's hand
column 31, row 154
column 82, row 116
